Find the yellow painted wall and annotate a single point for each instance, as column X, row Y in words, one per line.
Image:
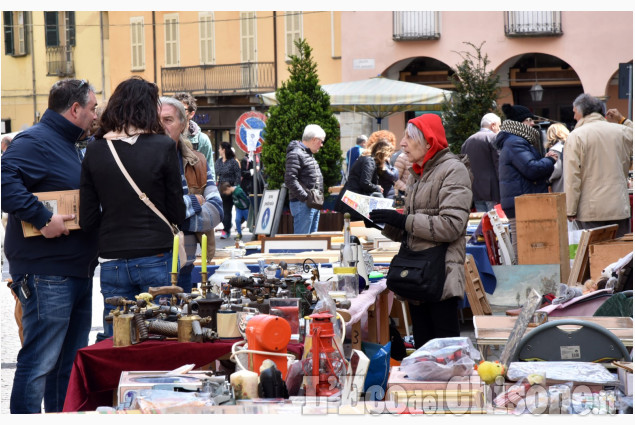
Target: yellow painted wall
column 120, row 52
column 18, row 76
column 319, row 28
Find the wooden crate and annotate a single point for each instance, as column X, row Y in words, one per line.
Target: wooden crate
column 541, row 229
column 603, row 254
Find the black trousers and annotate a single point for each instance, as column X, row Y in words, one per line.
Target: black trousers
column 228, row 205
column 435, row 320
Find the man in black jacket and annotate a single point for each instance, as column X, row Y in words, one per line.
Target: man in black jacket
column 303, row 174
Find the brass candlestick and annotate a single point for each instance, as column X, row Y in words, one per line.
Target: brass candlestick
column 174, row 278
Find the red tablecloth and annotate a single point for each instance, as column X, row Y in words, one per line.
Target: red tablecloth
column 97, row 368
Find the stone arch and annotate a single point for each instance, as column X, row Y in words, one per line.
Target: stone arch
column 559, row 81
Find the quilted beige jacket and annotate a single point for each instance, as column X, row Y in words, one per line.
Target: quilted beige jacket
column 438, row 207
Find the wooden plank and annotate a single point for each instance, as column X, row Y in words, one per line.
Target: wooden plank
column 520, row 327
column 474, row 288
column 580, row 270
column 541, row 230
column 495, row 330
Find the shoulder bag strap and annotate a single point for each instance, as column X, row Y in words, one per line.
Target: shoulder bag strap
column 142, row 195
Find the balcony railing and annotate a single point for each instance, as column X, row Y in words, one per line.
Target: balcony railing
column 421, row 25
column 533, row 24
column 59, row 61
column 233, row 79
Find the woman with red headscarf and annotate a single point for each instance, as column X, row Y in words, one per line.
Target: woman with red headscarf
column 436, row 212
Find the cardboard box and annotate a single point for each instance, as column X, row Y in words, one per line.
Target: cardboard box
column 603, row 254
column 625, row 376
column 58, row 202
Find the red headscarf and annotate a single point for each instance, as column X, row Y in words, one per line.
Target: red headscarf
column 434, row 133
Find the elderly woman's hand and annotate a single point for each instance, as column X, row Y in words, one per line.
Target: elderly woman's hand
column 392, row 217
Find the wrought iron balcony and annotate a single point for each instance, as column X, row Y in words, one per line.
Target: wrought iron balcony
column 59, row 61
column 233, row 79
column 533, row 24
column 419, row 25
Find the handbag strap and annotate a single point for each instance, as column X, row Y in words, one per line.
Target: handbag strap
column 142, row 195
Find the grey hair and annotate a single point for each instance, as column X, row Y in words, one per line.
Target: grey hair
column 180, row 109
column 489, row 119
column 415, row 134
column 312, row 131
column 587, row 104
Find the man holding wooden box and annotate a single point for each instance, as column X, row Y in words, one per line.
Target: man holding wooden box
column 52, row 273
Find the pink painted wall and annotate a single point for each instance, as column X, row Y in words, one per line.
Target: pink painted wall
column 593, row 43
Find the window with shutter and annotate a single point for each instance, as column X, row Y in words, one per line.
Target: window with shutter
column 206, row 35
column 171, row 40
column 293, row 31
column 7, row 20
column 51, row 29
column 137, row 43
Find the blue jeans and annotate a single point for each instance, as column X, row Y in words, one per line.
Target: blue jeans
column 484, row 206
column 241, row 215
column 56, row 317
column 305, row 219
column 127, row 278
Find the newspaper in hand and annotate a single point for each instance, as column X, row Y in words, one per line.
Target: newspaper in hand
column 365, row 204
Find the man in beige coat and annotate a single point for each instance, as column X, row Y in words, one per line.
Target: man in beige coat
column 597, row 158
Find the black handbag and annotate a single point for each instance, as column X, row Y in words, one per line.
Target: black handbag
column 315, row 199
column 418, row 275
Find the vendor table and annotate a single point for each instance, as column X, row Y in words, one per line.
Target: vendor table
column 495, row 330
column 97, row 368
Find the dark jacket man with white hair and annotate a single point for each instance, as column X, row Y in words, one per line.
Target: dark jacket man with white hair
column 302, row 174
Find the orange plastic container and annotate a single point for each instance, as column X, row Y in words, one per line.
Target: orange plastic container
column 268, row 333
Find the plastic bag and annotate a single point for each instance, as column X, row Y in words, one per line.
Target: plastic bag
column 163, row 401
column 379, row 367
column 574, row 238
column 441, row 359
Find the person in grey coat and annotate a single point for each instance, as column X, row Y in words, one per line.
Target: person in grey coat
column 436, row 211
column 302, row 173
column 483, row 155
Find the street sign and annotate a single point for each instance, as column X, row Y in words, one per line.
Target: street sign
column 267, row 212
column 249, row 127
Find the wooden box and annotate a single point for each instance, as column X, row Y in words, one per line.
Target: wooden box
column 463, row 394
column 541, row 229
column 603, row 254
column 58, row 202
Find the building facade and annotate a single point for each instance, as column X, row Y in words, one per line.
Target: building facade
column 223, row 58
column 40, row 48
column 566, row 53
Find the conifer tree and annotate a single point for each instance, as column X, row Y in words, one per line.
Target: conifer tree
column 301, row 101
column 476, row 92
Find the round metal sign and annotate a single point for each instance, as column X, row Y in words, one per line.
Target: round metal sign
column 249, row 128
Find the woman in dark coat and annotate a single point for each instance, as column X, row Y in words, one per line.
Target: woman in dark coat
column 363, row 177
column 521, row 169
column 227, row 170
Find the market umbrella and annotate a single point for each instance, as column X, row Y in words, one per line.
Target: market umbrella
column 379, row 97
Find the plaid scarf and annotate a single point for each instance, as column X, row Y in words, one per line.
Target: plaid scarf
column 521, row 130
